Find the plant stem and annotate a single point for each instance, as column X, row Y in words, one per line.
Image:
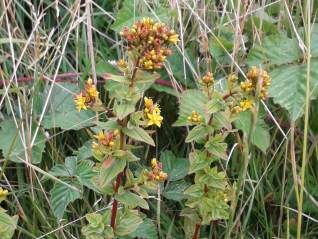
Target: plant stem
column 117, row 184
column 196, row 231
column 304, row 153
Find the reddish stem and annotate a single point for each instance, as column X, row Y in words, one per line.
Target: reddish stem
column 115, row 203
column 68, row 77
column 196, row 231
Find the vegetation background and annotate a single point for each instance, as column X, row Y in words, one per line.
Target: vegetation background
column 49, row 48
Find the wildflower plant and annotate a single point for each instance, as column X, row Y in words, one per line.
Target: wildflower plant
column 210, row 113
column 148, row 46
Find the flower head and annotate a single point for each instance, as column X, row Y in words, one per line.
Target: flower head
column 87, row 97
column 154, row 119
column 151, row 40
column 156, row 172
column 3, row 194
column 195, row 118
column 80, row 102
column 208, row 79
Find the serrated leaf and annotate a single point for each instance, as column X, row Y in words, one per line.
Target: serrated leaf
column 191, row 100
column 176, row 168
column 128, row 223
column 196, row 133
column 85, row 151
column 129, row 13
column 139, row 134
column 199, row 160
column 288, row 87
column 131, row 199
column 175, row 190
column 283, row 50
column 61, row 196
column 12, row 147
column 109, row 174
column 8, row 224
column 124, row 108
column 260, row 137
column 146, row 230
column 62, row 111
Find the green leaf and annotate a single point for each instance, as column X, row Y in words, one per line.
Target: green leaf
column 12, row 146
column 288, row 87
column 109, row 174
column 8, row 224
column 260, row 137
column 288, row 73
column 217, row 147
column 146, row 230
column 138, row 134
column 196, row 133
column 98, row 227
column 61, row 196
column 62, row 111
column 199, row 160
column 128, row 223
column 212, row 178
column 131, row 199
column 191, row 100
column 124, row 108
column 85, row 151
column 276, row 49
column 129, row 13
column 82, row 170
column 175, row 190
column 176, row 168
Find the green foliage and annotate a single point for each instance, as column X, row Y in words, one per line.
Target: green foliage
column 138, row 134
column 176, row 168
column 97, row 229
column 61, row 196
column 12, row 146
column 75, row 173
column 191, row 100
column 260, row 136
column 8, row 224
column 128, row 222
column 61, row 110
column 288, row 73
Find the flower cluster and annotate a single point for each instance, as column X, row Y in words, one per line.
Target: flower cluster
column 105, row 141
column 195, row 118
column 3, row 194
column 156, row 172
column 87, row 97
column 244, row 105
column 208, row 79
column 256, row 76
column 151, row 40
column 152, row 113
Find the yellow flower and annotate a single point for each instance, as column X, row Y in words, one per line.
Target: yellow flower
column 80, row 101
column 122, row 64
column 156, row 110
column 195, row 117
column 148, row 102
column 100, row 136
column 89, row 81
column 174, row 38
column 3, row 194
column 92, row 92
column 154, row 119
column 154, row 162
column 246, row 104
